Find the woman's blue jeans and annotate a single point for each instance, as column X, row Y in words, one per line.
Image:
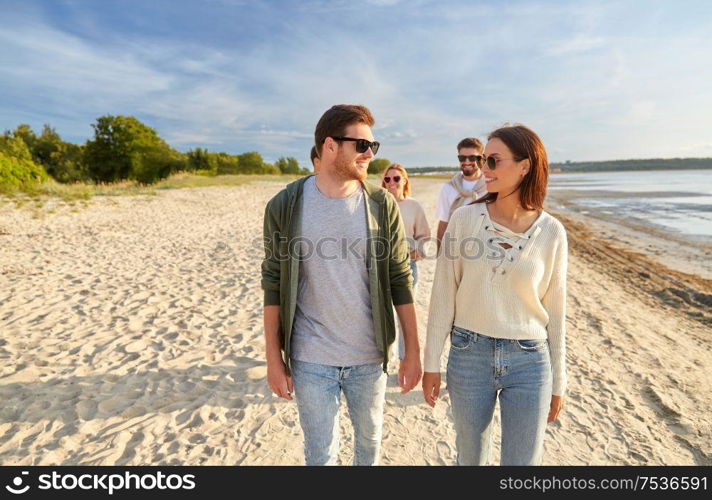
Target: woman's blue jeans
column 481, row 369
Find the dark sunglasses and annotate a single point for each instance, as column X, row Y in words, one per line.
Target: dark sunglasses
column 478, row 159
column 362, row 145
column 396, row 179
column 492, row 162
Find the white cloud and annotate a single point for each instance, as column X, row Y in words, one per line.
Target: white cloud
column 459, row 71
column 576, row 45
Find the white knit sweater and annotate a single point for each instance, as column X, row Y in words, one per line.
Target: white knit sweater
column 519, row 293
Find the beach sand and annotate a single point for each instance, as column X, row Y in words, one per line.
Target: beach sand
column 131, row 333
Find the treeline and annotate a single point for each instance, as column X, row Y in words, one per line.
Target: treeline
column 122, row 148
column 651, row 164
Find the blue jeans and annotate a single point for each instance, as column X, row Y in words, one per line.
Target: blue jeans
column 481, row 369
column 318, row 388
column 399, row 330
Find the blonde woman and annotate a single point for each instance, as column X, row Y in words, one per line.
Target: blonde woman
column 395, row 180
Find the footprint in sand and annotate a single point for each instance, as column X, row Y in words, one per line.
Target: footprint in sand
column 136, row 346
column 86, row 409
column 133, row 411
column 112, row 406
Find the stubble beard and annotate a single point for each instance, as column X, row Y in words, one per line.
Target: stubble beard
column 346, row 169
column 472, row 170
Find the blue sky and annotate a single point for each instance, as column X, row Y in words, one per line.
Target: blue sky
column 597, row 80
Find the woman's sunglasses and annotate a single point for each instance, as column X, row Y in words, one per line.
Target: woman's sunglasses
column 362, row 145
column 396, row 179
column 492, row 162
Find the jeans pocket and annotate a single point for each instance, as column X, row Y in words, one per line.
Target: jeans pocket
column 460, row 339
column 532, row 344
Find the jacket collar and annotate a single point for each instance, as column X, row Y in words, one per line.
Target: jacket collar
column 376, row 193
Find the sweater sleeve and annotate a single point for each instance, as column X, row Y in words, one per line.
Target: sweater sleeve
column 554, row 301
column 448, row 271
column 399, row 273
column 422, row 229
column 421, row 233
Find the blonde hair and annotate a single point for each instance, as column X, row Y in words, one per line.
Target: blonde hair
column 401, row 169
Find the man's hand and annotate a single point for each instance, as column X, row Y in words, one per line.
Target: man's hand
column 431, row 387
column 409, row 373
column 278, row 380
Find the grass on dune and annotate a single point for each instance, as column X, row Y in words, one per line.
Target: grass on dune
column 82, row 191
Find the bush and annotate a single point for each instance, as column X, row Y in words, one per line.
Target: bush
column 378, row 165
column 15, row 147
column 18, row 173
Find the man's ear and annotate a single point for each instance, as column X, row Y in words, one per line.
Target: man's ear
column 329, row 144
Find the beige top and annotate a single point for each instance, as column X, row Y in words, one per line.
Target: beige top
column 515, row 293
column 417, row 230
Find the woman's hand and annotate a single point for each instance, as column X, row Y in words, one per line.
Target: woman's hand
column 557, row 403
column 431, row 387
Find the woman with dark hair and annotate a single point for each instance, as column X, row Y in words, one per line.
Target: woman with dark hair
column 499, row 292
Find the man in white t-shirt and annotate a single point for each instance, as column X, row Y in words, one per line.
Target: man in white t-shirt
column 465, row 186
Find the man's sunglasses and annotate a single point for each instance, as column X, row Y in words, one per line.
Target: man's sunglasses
column 362, row 145
column 478, row 159
column 396, row 179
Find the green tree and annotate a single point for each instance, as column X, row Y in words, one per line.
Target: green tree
column 251, row 163
column 227, row 164
column 25, row 133
column 62, row 160
column 125, row 148
column 288, row 165
column 378, row 165
column 200, row 159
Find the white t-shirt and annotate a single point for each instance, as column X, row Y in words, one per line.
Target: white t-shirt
column 448, row 194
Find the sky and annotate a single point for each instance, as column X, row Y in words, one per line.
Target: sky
column 597, row 80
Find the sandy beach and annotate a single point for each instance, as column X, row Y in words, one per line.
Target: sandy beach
column 131, row 333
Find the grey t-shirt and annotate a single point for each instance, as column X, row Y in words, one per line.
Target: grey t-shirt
column 333, row 323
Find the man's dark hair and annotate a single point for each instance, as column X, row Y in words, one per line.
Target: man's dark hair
column 470, row 142
column 313, row 155
column 335, row 120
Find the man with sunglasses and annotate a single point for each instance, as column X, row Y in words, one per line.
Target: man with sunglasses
column 336, row 261
column 465, row 186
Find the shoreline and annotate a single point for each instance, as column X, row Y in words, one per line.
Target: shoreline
column 676, row 250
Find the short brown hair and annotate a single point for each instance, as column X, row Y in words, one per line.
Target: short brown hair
column 525, row 144
column 335, row 120
column 470, row 142
column 404, row 173
column 313, row 154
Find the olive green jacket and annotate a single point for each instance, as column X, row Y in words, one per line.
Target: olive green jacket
column 389, row 275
